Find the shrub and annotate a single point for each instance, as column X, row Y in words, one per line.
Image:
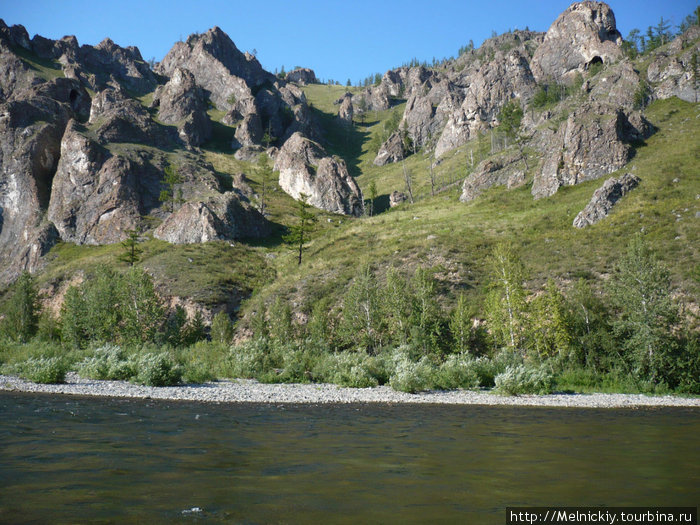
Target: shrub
column 108, row 362
column 411, row 376
column 252, row 359
column 352, row 369
column 458, row 371
column 523, row 380
column 156, row 370
column 47, row 370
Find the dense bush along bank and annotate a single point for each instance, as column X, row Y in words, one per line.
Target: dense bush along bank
column 631, row 336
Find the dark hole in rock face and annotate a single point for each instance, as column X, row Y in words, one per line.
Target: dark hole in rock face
column 73, row 97
column 593, row 61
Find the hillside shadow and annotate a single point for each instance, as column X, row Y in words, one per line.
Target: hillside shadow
column 342, row 139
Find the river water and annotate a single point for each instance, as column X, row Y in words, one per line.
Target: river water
column 69, row 459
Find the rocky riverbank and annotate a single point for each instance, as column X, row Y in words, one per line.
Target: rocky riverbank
column 249, row 391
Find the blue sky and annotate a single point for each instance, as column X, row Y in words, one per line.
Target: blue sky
column 339, row 39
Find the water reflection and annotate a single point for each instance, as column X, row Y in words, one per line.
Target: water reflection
column 70, row 459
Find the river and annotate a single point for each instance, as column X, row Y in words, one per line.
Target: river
column 73, row 459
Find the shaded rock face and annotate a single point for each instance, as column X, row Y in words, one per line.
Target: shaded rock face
column 108, row 61
column 223, row 217
column 504, row 78
column 33, row 116
column 604, row 198
column 391, row 151
column 396, row 198
column 306, row 168
column 181, row 101
column 671, row 71
column 302, row 75
column 346, row 111
column 508, row 170
column 117, row 118
column 218, row 66
column 590, row 144
column 583, row 34
column 96, row 196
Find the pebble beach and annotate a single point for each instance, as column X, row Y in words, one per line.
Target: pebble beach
column 251, row 391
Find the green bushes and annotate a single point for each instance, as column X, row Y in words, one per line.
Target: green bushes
column 108, row 362
column 46, row 370
column 523, row 380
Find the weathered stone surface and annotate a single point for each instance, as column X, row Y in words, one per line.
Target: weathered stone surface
column 181, row 101
column 97, row 197
column 583, row 34
column 500, row 80
column 218, row 66
column 671, row 71
column 587, row 146
column 249, row 153
column 102, row 64
column 507, row 170
column 345, row 112
column 615, row 86
column 117, row 118
column 306, row 168
column 391, row 151
column 396, row 198
column 604, row 198
column 302, row 75
column 222, row 217
column 249, row 132
column 31, row 127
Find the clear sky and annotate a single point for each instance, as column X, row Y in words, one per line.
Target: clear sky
column 339, row 39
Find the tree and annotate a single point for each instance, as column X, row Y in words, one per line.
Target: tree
column 21, row 310
column 408, row 180
column 505, row 303
column 396, row 303
column 640, row 291
column 299, row 233
column 461, row 324
column 362, row 320
column 425, row 318
column 510, row 118
column 132, row 252
column 265, row 174
column 169, row 195
column 372, row 189
column 550, row 326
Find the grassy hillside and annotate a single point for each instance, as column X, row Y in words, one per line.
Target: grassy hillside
column 441, row 232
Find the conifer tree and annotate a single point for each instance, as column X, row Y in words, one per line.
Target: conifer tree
column 299, row 233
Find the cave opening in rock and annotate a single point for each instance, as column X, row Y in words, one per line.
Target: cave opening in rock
column 593, row 61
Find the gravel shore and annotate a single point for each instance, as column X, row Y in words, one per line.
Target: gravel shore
column 250, row 391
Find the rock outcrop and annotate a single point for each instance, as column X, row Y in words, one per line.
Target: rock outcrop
column 183, row 103
column 391, row 151
column 604, row 198
column 224, row 217
column 593, row 142
column 507, row 170
column 671, row 71
column 305, row 168
column 584, row 34
column 346, row 111
column 302, row 75
column 396, row 198
column 218, row 66
column 96, row 196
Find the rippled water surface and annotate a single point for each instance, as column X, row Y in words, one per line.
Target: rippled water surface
column 67, row 460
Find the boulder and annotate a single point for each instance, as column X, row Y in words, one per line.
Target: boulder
column 249, row 132
column 302, row 75
column 391, row 151
column 507, row 170
column 604, row 198
column 182, row 102
column 222, row 217
column 396, row 198
column 305, row 168
column 584, row 34
column 346, row 112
